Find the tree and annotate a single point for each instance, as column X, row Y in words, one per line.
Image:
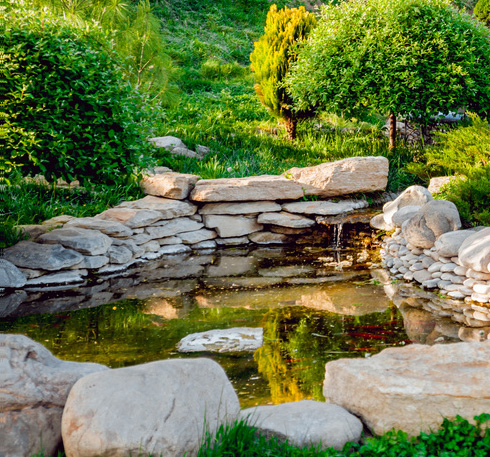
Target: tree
column 272, row 56
column 411, row 57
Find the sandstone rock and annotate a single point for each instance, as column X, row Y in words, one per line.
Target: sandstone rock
column 412, row 196
column 173, row 227
column 448, row 244
column 109, row 227
column 171, row 185
column 403, row 214
column 474, row 252
column 324, row 208
column 254, row 188
column 412, row 388
column 197, row 236
column 88, row 242
column 27, row 254
column 285, row 219
column 32, row 231
column 57, row 221
column 240, row 208
column 378, row 222
column 430, row 222
column 232, row 226
column 306, row 423
column 269, row 238
column 168, row 208
column 167, row 142
column 172, row 403
column 437, row 183
column 342, row 177
column 33, row 389
column 132, row 218
column 10, row 275
column 238, row 339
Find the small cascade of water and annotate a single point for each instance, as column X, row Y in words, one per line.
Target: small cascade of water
column 338, row 235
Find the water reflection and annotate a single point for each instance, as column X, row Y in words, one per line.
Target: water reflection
column 315, row 305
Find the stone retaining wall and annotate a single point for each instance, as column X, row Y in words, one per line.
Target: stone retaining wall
column 182, row 213
column 427, row 246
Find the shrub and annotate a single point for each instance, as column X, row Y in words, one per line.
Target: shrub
column 417, row 57
column 273, row 54
column 482, row 11
column 68, row 112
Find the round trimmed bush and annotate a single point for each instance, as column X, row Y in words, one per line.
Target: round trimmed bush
column 68, row 113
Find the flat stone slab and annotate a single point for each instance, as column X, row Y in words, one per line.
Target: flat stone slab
column 254, row 188
column 10, row 275
column 232, row 226
column 198, row 236
column 133, row 218
column 85, row 241
column 167, row 207
column 342, row 177
column 285, row 219
column 176, row 226
column 266, row 238
column 238, row 339
column 240, row 208
column 27, row 254
column 306, row 423
column 412, row 388
column 109, row 227
column 63, row 277
column 170, row 185
column 325, row 208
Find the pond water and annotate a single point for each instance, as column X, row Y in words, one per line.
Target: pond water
column 314, row 305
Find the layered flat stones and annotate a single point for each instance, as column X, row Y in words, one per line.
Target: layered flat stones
column 285, row 219
column 168, row 208
column 170, row 185
column 88, row 242
column 324, row 208
column 232, row 226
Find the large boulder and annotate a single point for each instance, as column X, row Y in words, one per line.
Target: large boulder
column 342, row 177
column 430, row 222
column 474, row 251
column 412, row 388
column 254, row 188
column 159, row 408
column 411, row 196
column 306, row 423
column 34, row 386
column 448, row 244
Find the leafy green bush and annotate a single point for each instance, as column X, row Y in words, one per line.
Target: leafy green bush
column 68, row 112
column 273, row 53
column 417, row 57
column 482, row 11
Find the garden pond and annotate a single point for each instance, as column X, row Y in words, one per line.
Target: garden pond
column 315, row 304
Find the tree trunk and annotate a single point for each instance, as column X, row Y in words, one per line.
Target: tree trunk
column 290, row 127
column 392, row 131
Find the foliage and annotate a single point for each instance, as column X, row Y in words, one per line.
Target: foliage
column 457, row 438
column 273, row 54
column 417, row 57
column 482, row 11
column 68, row 112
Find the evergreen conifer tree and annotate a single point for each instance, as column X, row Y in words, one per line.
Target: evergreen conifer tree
column 273, row 54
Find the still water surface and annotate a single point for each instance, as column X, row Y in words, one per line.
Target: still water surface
column 314, row 304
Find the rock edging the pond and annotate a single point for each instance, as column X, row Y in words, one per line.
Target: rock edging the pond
column 183, row 214
column 427, row 247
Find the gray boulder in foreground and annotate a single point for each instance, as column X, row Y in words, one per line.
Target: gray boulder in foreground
column 306, row 423
column 33, row 389
column 160, row 408
column 413, row 388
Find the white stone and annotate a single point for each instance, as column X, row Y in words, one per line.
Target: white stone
column 412, row 196
column 474, row 252
column 238, row 339
column 378, row 222
column 414, row 387
column 285, row 219
column 342, row 177
column 232, row 226
column 483, row 289
column 254, row 188
column 324, row 208
column 403, row 214
column 240, row 208
column 171, row 404
column 306, row 423
column 34, row 386
column 448, row 244
column 170, row 185
column 167, row 142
